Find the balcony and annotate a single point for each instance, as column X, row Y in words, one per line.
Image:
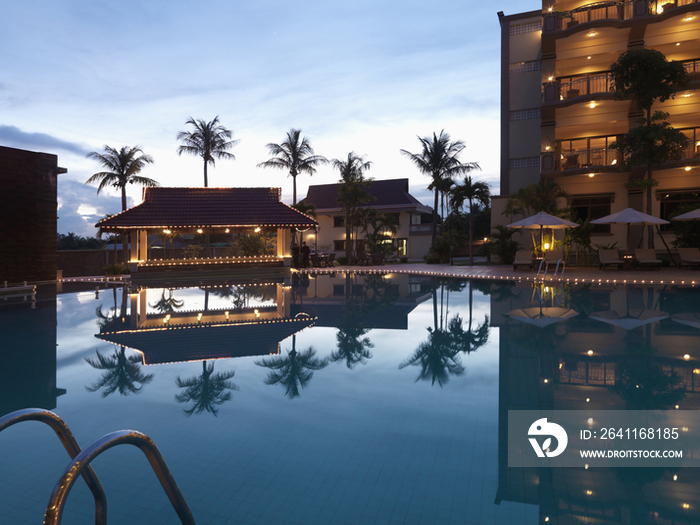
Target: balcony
column 611, row 10
column 568, row 88
column 596, row 158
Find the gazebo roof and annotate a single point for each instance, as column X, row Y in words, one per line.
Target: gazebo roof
column 208, row 207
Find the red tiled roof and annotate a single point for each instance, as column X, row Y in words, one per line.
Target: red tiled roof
column 208, row 207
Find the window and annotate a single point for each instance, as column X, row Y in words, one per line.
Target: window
column 527, row 27
column 526, row 162
column 525, row 67
column 593, row 207
column 338, row 246
column 338, row 221
column 402, row 246
column 672, row 200
column 525, row 114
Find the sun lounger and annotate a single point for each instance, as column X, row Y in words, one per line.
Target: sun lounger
column 647, row 257
column 523, row 258
column 609, row 258
column 689, row 256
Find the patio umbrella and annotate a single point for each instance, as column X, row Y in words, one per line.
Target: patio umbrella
column 633, row 318
column 629, row 216
column 690, row 216
column 689, row 319
column 543, row 220
column 539, row 316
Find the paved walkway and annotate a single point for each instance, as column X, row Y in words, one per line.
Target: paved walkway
column 664, row 276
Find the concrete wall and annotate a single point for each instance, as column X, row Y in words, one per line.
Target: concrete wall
column 28, row 215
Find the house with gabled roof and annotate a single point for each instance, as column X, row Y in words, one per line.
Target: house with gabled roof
column 392, row 196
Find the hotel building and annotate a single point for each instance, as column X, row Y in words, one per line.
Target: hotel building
column 559, row 116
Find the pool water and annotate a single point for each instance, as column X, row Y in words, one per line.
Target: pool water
column 344, row 399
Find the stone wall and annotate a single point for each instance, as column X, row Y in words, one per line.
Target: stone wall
column 28, row 215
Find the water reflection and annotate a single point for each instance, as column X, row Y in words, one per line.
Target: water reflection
column 122, row 373
column 293, row 371
column 167, row 304
column 206, row 391
column 622, row 352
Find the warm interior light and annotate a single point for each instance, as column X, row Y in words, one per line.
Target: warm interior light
column 589, row 492
column 687, row 168
column 588, row 57
column 257, row 230
column 675, row 477
column 591, row 105
column 592, row 33
column 686, row 95
column 590, row 420
column 591, row 174
column 677, row 407
column 549, row 9
column 586, row 466
column 686, row 357
column 166, row 232
column 550, row 78
column 547, row 148
column 688, row 18
column 678, row 43
column 546, row 246
column 199, row 230
column 227, row 230
column 614, row 162
column 546, row 380
column 590, row 352
column 686, row 505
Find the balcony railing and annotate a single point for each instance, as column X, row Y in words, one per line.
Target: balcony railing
column 578, row 86
column 584, row 158
column 611, row 10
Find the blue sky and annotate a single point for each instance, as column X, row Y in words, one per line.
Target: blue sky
column 362, row 76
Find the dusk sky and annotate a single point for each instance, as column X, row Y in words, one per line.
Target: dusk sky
column 355, row 76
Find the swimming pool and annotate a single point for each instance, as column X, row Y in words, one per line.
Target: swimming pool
column 354, row 398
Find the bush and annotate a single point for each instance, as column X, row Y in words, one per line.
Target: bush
column 342, row 260
column 502, row 245
column 443, row 248
column 403, row 260
column 116, row 269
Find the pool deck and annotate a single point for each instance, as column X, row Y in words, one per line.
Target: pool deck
column 663, row 276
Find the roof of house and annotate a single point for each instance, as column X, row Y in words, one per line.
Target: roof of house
column 208, row 207
column 391, row 194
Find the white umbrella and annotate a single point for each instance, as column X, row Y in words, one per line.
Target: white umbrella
column 543, row 220
column 690, row 216
column 689, row 319
column 542, row 317
column 629, row 216
column 633, row 319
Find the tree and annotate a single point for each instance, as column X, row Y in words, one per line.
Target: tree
column 293, row 370
column 379, row 228
column 440, row 159
column 352, row 194
column 122, row 167
column 645, row 77
column 471, row 191
column 209, row 140
column 296, row 155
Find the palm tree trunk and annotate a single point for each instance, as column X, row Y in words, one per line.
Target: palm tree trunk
column 206, row 180
column 471, row 236
column 294, row 190
column 434, row 225
column 125, row 237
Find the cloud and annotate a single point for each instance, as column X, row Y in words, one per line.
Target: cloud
column 15, row 137
column 79, row 207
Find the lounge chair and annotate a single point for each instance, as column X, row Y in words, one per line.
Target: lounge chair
column 689, row 256
column 647, row 257
column 523, row 258
column 609, row 258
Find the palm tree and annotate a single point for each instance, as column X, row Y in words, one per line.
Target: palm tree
column 122, row 374
column 294, row 154
column 167, row 305
column 471, row 191
column 440, row 160
column 122, row 167
column 352, row 193
column 293, row 370
column 209, row 140
column 205, row 391
column 436, row 357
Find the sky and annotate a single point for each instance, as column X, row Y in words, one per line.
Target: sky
column 362, row 76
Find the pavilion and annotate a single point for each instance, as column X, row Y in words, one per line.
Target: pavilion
column 208, row 210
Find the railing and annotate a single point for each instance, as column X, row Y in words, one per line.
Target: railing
column 587, row 158
column 585, row 85
column 416, row 228
column 69, row 443
column 659, row 7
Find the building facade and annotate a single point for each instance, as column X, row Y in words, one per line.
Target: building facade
column 412, row 238
column 559, row 116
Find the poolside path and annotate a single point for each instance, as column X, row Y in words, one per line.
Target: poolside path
column 664, row 276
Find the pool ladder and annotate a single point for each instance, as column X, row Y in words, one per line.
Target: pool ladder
column 556, row 270
column 80, row 465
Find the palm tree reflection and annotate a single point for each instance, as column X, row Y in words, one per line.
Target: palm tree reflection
column 167, row 305
column 206, row 391
column 438, row 357
column 122, row 373
column 293, row 370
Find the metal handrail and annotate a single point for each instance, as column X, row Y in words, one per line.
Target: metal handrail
column 69, row 443
column 80, row 463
